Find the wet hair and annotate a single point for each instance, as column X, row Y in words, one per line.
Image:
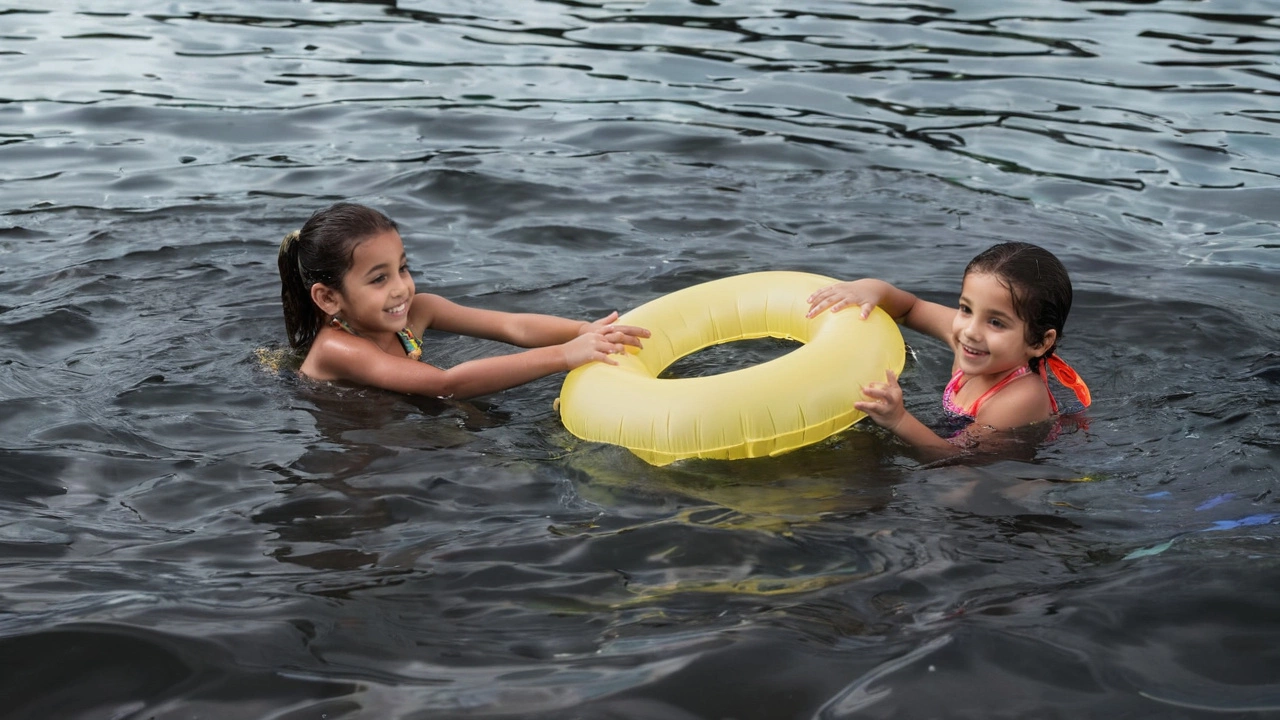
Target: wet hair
column 1038, row 284
column 321, row 252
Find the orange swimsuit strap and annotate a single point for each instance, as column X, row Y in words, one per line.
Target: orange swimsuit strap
column 953, row 388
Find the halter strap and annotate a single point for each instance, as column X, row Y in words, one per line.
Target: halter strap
column 977, row 404
column 953, row 387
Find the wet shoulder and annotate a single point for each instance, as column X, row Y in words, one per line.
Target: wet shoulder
column 1021, row 402
column 329, row 353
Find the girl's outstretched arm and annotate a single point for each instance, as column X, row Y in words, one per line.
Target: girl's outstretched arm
column 339, row 356
column 520, row 329
column 920, row 315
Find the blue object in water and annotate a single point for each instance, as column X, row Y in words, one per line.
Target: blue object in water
column 1216, row 501
column 1242, row 522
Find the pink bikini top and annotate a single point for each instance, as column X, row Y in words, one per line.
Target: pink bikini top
column 948, row 395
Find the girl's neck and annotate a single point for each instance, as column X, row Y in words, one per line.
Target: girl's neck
column 403, row 340
column 986, row 381
column 382, row 340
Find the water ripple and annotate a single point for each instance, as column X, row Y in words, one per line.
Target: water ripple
column 172, row 494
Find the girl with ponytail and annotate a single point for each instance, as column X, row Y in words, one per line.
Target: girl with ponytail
column 351, row 307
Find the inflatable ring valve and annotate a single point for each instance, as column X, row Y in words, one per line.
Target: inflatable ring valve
column 795, row 400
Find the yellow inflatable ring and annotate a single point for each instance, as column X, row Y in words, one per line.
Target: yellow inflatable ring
column 767, row 409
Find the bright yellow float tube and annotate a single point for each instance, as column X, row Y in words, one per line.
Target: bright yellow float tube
column 768, row 409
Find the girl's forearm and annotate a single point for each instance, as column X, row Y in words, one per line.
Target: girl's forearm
column 926, row 441
column 491, row 374
column 895, row 301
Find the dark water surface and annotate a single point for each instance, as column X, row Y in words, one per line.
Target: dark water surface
column 185, row 532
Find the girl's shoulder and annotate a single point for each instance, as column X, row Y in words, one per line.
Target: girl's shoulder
column 1022, row 401
column 332, row 351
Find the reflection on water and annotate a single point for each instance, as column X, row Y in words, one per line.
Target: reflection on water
column 186, row 528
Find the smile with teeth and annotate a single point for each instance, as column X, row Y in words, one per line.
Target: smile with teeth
column 973, row 351
column 397, row 309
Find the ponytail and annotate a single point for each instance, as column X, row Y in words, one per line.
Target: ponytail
column 301, row 319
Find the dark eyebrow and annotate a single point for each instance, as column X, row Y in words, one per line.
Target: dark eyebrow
column 996, row 313
column 381, row 267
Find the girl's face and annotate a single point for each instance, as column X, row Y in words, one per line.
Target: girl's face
column 988, row 335
column 377, row 289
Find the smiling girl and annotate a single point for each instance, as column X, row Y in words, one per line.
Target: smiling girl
column 351, row 306
column 1013, row 305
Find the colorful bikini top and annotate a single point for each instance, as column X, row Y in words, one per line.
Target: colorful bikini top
column 411, row 344
column 1061, row 370
column 950, row 406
